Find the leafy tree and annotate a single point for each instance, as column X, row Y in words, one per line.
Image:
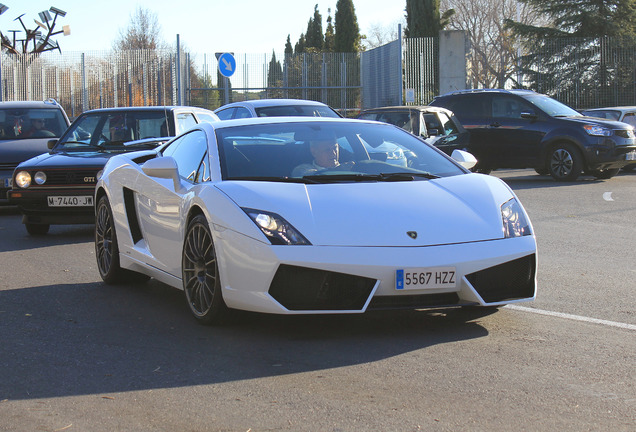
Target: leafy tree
column 143, row 32
column 423, row 18
column 572, row 51
column 347, row 38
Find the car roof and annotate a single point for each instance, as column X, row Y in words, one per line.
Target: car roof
column 29, row 104
column 617, row 108
column 273, row 102
column 520, row 92
column 271, row 120
column 147, row 108
column 427, row 108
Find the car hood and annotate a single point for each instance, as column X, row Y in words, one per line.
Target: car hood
column 70, row 159
column 610, row 124
column 463, row 208
column 16, row 151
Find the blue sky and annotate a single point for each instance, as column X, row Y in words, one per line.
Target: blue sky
column 240, row 26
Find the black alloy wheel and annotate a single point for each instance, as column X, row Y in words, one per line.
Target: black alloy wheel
column 200, row 273
column 565, row 163
column 107, row 250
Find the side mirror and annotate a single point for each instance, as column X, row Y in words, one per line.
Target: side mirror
column 163, row 167
column 51, row 143
column 433, row 132
column 464, row 158
column 528, row 115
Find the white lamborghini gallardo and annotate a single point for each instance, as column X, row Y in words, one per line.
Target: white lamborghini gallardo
column 312, row 216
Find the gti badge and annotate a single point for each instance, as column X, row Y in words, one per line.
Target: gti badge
column 412, row 234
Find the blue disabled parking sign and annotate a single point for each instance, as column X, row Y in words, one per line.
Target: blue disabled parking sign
column 227, row 64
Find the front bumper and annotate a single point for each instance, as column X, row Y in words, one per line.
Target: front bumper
column 609, row 153
column 35, row 207
column 315, row 279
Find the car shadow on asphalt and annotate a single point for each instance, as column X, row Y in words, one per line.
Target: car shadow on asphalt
column 531, row 180
column 67, row 340
column 14, row 236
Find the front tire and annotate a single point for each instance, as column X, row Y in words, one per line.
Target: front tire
column 200, row 273
column 565, row 163
column 107, row 250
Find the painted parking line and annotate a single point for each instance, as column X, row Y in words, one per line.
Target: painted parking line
column 572, row 317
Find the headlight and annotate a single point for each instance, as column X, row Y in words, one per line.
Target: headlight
column 23, row 179
column 40, row 177
column 277, row 229
column 597, row 130
column 515, row 223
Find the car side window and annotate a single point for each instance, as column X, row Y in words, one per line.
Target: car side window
column 630, row 118
column 185, row 121
column 508, row 107
column 368, row 116
column 242, row 113
column 226, row 114
column 204, row 117
column 470, row 106
column 448, row 127
column 189, row 152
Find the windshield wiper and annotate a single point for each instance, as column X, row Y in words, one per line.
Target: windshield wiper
column 401, row 176
column 303, row 180
column 84, row 146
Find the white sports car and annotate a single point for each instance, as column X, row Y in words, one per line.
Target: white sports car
column 218, row 213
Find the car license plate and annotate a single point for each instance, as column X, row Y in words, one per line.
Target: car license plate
column 424, row 278
column 70, row 201
column 631, row 155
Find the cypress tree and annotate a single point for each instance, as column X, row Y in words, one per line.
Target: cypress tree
column 330, row 43
column 423, row 18
column 347, row 38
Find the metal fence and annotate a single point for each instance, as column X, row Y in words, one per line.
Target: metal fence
column 83, row 81
column 583, row 72
column 421, row 70
column 579, row 72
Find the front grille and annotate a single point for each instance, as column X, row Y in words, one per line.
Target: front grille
column 301, row 288
column 414, row 301
column 623, row 133
column 507, row 281
column 71, row 178
column 7, row 166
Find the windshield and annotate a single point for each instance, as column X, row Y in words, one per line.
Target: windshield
column 296, row 110
column 552, row 107
column 29, row 123
column 110, row 130
column 317, row 152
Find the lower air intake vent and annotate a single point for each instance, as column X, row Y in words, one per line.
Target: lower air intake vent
column 300, row 288
column 507, row 281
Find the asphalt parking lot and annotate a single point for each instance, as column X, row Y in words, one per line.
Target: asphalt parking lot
column 77, row 355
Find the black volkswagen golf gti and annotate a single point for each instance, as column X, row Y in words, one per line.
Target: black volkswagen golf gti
column 58, row 187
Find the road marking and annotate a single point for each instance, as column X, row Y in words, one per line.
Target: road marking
column 573, row 317
column 607, row 196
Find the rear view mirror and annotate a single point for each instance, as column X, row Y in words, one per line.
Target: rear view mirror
column 465, row 159
column 163, row 167
column 51, row 143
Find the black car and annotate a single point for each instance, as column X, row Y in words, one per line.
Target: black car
column 58, row 187
column 435, row 125
column 525, row 129
column 25, row 129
